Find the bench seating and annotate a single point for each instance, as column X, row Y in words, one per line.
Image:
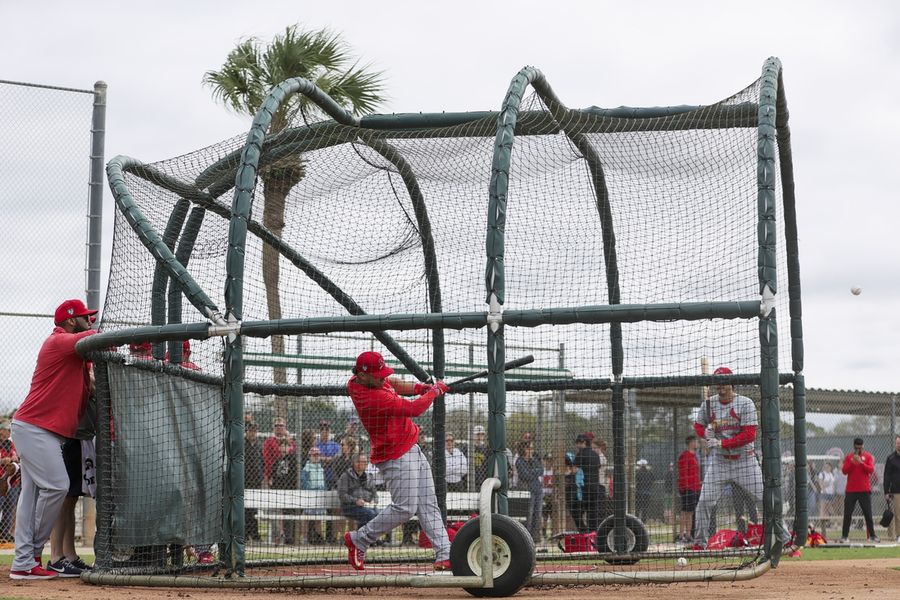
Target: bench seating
column 271, row 504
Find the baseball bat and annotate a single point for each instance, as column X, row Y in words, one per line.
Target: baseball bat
column 513, row 364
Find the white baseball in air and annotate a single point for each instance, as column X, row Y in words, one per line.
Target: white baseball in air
column 856, row 290
column 681, row 562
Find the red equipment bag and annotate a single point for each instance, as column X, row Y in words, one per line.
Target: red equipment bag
column 577, row 542
column 452, row 528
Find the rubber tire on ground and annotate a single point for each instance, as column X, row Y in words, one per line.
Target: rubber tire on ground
column 638, row 540
column 514, row 556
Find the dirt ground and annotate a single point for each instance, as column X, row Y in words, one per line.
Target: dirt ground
column 794, row 579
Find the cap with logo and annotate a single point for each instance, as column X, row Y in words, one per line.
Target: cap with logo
column 71, row 309
column 372, row 363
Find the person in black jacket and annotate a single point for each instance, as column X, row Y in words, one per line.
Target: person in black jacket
column 892, row 488
column 588, row 461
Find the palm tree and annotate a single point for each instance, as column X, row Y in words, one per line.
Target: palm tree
column 242, row 83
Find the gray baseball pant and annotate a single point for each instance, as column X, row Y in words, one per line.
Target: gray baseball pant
column 45, row 483
column 743, row 471
column 411, row 485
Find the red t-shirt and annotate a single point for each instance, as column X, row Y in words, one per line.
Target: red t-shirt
column 688, row 472
column 859, row 475
column 386, row 417
column 59, row 387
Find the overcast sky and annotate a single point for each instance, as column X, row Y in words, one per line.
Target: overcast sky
column 840, row 70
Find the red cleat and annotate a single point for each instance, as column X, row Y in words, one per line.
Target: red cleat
column 356, row 556
column 34, row 573
column 442, row 565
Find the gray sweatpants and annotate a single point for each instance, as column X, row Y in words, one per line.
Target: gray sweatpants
column 744, row 471
column 45, row 483
column 411, row 485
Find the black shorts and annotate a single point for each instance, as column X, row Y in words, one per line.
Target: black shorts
column 71, row 451
column 689, row 500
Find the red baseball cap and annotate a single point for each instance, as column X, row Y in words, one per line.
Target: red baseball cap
column 722, row 371
column 71, row 309
column 373, row 364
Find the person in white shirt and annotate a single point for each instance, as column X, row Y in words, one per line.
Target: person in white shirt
column 457, row 465
column 827, row 489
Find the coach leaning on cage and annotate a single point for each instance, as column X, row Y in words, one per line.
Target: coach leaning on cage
column 892, row 488
column 49, row 414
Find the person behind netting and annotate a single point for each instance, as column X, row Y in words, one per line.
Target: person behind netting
column 312, row 478
column 813, row 494
column 575, row 493
column 531, row 472
column 892, row 488
column 726, row 424
column 600, row 448
column 858, row 467
column 253, row 475
column 828, row 487
column 356, row 492
column 688, row 487
column 549, row 497
column 10, row 482
column 643, row 489
column 344, row 460
column 407, row 475
column 280, row 470
column 48, row 416
column 479, row 455
column 457, row 465
column 588, row 461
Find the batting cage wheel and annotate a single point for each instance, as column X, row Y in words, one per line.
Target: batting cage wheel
column 636, row 538
column 512, row 555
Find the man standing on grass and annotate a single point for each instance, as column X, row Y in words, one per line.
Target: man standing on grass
column 407, row 475
column 858, row 467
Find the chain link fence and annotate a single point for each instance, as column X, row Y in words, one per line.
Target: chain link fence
column 51, row 183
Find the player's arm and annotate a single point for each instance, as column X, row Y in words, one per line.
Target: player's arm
column 391, row 404
column 868, row 464
column 408, row 388
column 747, row 435
column 845, row 468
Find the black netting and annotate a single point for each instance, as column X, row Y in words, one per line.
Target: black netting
column 680, row 191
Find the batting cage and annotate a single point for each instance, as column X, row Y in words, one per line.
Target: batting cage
column 534, row 346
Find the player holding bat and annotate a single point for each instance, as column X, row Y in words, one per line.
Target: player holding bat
column 726, row 423
column 395, row 452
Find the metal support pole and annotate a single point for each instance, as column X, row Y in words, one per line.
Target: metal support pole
column 95, row 196
column 471, row 433
column 560, row 435
column 94, row 248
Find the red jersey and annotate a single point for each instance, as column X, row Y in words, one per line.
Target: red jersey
column 859, row 475
column 386, row 417
column 688, row 472
column 60, row 385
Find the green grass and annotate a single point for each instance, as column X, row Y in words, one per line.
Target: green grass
column 832, row 553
